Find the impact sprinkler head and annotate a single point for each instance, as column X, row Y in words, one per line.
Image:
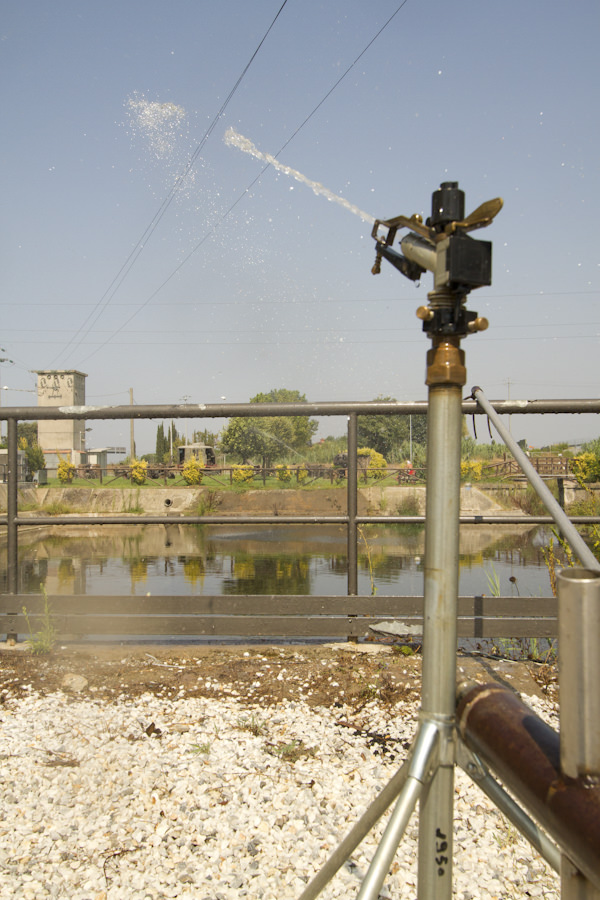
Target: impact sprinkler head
column 442, row 246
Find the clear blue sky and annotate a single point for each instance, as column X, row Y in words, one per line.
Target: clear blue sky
column 104, row 105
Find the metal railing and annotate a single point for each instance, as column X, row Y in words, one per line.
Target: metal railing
column 215, row 615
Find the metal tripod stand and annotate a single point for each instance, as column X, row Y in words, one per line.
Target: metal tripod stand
column 459, row 264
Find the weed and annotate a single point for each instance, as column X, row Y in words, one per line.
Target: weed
column 44, row 640
column 200, row 749
column 254, row 725
column 57, row 508
column 508, row 838
column 291, row 752
column 526, row 649
column 493, row 582
column 209, row 503
column 369, row 560
column 409, row 506
column 132, row 504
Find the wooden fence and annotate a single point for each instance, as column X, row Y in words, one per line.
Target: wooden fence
column 260, row 616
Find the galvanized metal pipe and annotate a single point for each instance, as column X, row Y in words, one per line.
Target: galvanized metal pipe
column 562, row 521
column 422, row 764
column 524, row 753
column 445, row 377
column 359, row 831
column 579, row 640
column 352, row 504
column 475, row 769
column 333, row 408
column 12, row 539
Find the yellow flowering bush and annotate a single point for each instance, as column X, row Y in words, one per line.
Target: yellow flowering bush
column 139, row 470
column 192, row 471
column 284, row 474
column 302, row 474
column 66, row 471
column 471, row 470
column 242, row 474
column 376, row 465
column 586, row 467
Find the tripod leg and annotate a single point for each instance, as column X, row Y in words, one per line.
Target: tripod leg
column 420, row 770
column 359, row 831
column 412, row 772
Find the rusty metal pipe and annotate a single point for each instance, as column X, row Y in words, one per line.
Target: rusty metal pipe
column 524, row 753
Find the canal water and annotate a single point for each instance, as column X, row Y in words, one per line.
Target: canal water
column 290, row 559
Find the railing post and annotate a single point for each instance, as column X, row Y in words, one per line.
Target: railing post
column 352, row 504
column 12, row 486
column 11, row 509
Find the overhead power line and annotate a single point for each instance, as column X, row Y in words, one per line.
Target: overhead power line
column 123, row 272
column 247, row 190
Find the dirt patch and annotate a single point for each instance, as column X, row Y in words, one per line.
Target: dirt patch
column 327, row 675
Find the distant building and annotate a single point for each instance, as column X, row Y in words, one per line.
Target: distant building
column 21, row 465
column 61, row 438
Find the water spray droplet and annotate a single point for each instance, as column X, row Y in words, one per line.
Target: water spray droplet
column 233, row 139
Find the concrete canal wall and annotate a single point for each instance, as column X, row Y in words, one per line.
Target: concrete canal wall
column 205, row 500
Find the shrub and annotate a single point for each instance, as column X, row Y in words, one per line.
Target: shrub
column 284, row 474
column 302, row 474
column 586, row 467
column 376, row 466
column 192, row 471
column 242, row 474
column 139, row 470
column 471, row 470
column 66, row 471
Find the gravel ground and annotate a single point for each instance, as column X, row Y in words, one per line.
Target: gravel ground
column 201, row 788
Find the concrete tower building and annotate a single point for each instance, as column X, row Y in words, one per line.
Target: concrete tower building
column 64, row 438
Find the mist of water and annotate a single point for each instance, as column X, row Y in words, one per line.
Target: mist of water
column 161, row 124
column 233, row 139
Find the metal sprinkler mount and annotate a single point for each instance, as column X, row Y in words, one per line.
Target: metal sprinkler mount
column 441, row 245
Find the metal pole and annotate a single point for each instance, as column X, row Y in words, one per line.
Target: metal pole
column 446, row 374
column 352, row 504
column 568, row 531
column 12, row 547
column 358, row 832
column 578, row 639
column 475, row 769
column 578, row 636
column 426, row 745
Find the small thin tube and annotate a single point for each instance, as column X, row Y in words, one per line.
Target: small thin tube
column 563, row 522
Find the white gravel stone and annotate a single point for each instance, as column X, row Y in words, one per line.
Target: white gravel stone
column 96, row 805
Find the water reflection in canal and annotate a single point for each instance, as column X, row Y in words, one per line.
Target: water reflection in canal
column 188, row 560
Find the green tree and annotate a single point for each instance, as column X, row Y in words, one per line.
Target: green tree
column 269, row 438
column 35, row 458
column 205, row 437
column 162, row 445
column 387, row 433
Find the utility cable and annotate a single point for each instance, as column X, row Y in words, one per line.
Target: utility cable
column 248, row 189
column 123, row 272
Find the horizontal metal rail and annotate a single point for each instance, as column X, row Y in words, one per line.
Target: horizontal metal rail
column 260, row 410
column 132, row 519
column 262, row 616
